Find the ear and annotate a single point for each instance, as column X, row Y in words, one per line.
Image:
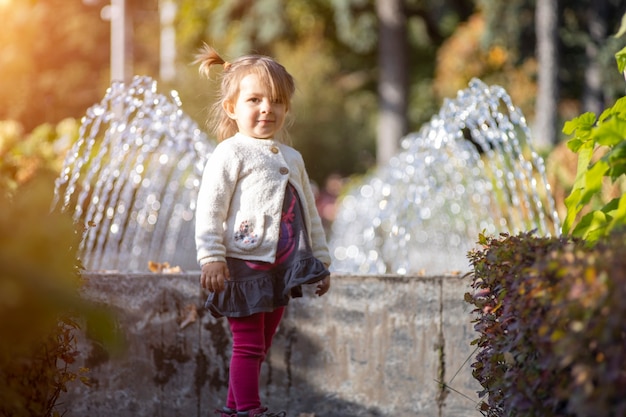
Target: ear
column 229, row 109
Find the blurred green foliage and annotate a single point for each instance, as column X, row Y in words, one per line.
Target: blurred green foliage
column 40, row 303
column 330, row 46
column 23, row 155
column 606, row 136
column 600, row 144
column 39, row 285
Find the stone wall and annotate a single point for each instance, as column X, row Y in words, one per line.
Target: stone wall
column 373, row 346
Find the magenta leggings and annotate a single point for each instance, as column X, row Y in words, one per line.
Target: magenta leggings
column 252, row 338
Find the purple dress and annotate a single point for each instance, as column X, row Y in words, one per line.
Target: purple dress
column 255, row 286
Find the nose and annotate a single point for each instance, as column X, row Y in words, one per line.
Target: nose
column 266, row 106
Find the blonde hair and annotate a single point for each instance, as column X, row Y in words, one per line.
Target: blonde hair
column 273, row 76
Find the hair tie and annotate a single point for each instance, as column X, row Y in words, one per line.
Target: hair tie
column 226, row 65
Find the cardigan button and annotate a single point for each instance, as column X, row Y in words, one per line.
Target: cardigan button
column 274, row 149
column 284, row 170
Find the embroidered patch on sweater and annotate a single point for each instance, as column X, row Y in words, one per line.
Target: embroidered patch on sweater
column 245, row 236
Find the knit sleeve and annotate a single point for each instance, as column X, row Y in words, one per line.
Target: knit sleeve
column 314, row 222
column 218, row 183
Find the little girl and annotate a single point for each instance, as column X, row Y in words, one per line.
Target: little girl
column 258, row 234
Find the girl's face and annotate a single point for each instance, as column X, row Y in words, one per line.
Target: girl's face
column 254, row 112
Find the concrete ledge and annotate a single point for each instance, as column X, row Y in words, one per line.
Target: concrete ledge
column 373, row 346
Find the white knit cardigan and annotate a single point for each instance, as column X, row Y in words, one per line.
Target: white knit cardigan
column 241, row 198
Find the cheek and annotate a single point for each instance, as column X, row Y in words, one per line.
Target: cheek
column 282, row 111
column 281, row 117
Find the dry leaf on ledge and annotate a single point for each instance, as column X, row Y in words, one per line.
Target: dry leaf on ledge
column 163, row 268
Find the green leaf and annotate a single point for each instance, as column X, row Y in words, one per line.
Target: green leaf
column 620, row 57
column 593, row 180
column 575, row 144
column 617, row 110
column 591, row 225
column 593, row 235
column 581, row 124
column 572, row 203
column 611, row 206
column 617, row 171
column 585, row 153
column 616, row 159
column 588, row 184
column 611, row 133
column 619, row 215
column 482, row 238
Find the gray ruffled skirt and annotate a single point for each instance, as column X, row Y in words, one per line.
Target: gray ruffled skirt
column 256, row 287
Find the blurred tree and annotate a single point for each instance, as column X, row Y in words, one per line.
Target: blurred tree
column 464, row 56
column 546, row 18
column 52, row 60
column 144, row 45
column 49, row 71
column 586, row 77
column 393, row 79
column 333, row 131
column 54, row 56
column 339, row 131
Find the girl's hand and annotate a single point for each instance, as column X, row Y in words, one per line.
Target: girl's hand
column 323, row 286
column 213, row 276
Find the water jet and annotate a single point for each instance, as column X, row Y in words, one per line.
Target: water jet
column 132, row 178
column 133, row 174
column 471, row 169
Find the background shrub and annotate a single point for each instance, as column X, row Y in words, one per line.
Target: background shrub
column 552, row 325
column 40, row 305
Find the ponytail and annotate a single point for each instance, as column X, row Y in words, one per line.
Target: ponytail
column 208, row 57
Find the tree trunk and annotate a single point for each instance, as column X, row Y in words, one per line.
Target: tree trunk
column 393, row 88
column 547, row 95
column 593, row 99
column 121, row 42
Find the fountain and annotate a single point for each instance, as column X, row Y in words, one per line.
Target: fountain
column 132, row 178
column 470, row 169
